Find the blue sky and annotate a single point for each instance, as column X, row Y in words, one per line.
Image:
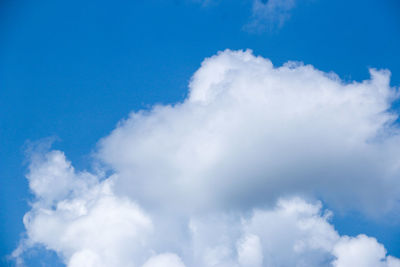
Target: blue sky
column 73, row 69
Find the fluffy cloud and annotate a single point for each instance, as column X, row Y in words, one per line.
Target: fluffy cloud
column 362, row 251
column 250, row 132
column 98, row 228
column 229, row 177
column 80, row 218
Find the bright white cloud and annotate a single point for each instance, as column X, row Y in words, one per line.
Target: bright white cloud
column 86, row 224
column 216, row 180
column 101, row 229
column 250, row 132
column 362, row 251
column 295, row 233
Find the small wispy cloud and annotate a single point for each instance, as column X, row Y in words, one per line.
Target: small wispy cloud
column 269, row 14
column 265, row 15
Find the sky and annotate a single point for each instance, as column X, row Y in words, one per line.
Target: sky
column 199, row 133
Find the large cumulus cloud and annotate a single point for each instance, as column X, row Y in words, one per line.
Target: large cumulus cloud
column 250, row 132
column 230, row 176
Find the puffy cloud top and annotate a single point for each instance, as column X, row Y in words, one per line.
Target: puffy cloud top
column 250, row 132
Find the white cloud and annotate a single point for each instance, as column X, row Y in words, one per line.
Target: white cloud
column 51, row 178
column 249, row 133
column 98, row 228
column 250, row 251
column 86, row 224
column 268, row 14
column 295, row 233
column 265, row 14
column 362, row 251
column 230, row 176
column 164, row 260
